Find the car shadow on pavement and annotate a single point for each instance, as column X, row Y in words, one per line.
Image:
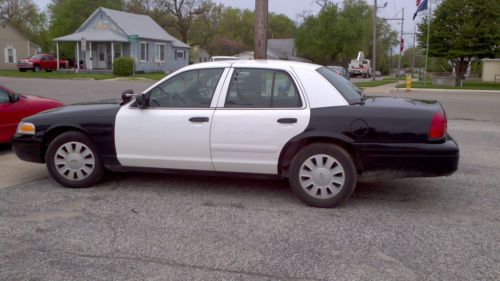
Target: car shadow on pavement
column 403, row 191
column 5, row 148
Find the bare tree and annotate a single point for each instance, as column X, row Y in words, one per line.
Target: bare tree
column 184, row 12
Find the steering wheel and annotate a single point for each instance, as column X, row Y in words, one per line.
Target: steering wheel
column 177, row 96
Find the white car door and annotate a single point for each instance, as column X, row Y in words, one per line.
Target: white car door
column 173, row 131
column 258, row 112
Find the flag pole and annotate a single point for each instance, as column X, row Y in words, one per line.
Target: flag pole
column 427, row 48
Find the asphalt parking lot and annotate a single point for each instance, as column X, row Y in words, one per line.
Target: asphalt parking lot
column 167, row 227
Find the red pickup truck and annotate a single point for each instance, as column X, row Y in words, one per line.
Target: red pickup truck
column 41, row 61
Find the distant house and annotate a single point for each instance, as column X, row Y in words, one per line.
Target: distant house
column 491, row 70
column 108, row 34
column 277, row 49
column 13, row 46
column 198, row 54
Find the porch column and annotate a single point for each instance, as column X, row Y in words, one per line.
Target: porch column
column 112, row 54
column 57, row 54
column 77, row 55
column 91, row 58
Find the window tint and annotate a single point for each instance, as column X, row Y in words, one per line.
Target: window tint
column 4, row 97
column 346, row 88
column 262, row 88
column 193, row 88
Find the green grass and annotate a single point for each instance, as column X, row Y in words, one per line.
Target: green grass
column 468, row 85
column 73, row 75
column 375, row 83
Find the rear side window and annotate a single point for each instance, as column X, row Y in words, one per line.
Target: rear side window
column 347, row 89
column 262, row 88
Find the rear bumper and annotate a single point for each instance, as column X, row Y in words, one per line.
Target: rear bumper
column 27, row 148
column 425, row 159
column 25, row 66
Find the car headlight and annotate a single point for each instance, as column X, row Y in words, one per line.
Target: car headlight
column 26, row 128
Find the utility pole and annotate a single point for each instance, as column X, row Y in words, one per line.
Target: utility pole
column 427, row 47
column 260, row 37
column 402, row 19
column 374, row 40
column 401, row 49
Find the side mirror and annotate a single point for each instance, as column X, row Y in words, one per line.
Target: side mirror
column 14, row 98
column 141, row 101
column 127, row 95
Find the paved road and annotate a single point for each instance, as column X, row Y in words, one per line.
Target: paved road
column 164, row 227
column 74, row 91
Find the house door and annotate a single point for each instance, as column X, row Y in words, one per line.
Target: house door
column 102, row 55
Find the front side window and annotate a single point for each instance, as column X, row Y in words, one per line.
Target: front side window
column 4, row 97
column 192, row 89
column 262, row 88
column 144, row 51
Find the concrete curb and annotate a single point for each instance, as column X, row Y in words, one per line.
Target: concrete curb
column 446, row 90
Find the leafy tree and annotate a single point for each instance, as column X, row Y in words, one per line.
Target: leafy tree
column 339, row 32
column 25, row 16
column 68, row 15
column 462, row 30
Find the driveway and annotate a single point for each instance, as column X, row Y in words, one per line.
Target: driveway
column 170, row 227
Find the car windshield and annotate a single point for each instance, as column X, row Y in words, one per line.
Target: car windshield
column 36, row 57
column 351, row 93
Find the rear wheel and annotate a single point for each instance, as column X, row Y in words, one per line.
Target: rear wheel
column 22, row 69
column 72, row 160
column 323, row 175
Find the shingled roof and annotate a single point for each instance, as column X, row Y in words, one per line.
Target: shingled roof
column 131, row 24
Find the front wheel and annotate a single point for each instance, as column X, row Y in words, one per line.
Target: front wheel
column 72, row 160
column 323, row 175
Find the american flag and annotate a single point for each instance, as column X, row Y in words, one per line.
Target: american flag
column 421, row 6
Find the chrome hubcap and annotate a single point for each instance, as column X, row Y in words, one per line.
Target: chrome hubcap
column 322, row 176
column 74, row 161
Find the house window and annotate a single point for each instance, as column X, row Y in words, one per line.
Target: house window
column 144, row 51
column 118, row 50
column 179, row 55
column 10, row 54
column 159, row 52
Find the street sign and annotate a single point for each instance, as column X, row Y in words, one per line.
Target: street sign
column 133, row 38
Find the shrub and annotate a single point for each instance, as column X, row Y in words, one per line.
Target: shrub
column 123, row 66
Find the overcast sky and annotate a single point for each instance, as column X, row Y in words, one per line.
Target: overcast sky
column 292, row 8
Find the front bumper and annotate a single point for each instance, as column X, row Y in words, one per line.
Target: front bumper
column 25, row 66
column 420, row 159
column 28, row 148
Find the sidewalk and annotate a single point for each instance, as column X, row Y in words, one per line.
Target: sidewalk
column 14, row 171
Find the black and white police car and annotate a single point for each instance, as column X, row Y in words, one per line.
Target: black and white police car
column 287, row 119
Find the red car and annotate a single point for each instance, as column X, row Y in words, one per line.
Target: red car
column 41, row 61
column 14, row 107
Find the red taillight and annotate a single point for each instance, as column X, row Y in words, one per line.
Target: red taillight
column 438, row 126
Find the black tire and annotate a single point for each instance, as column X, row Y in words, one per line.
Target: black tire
column 22, row 70
column 36, row 68
column 48, row 70
column 73, row 139
column 340, row 157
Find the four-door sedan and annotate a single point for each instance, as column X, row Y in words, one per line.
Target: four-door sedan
column 278, row 118
column 14, row 107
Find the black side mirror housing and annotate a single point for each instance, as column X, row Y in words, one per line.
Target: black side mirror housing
column 14, row 98
column 141, row 101
column 127, row 95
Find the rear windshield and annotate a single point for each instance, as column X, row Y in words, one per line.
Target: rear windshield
column 350, row 92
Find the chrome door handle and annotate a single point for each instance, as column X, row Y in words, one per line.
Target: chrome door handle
column 198, row 119
column 287, row 120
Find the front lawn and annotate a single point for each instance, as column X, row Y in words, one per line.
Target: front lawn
column 467, row 85
column 375, row 83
